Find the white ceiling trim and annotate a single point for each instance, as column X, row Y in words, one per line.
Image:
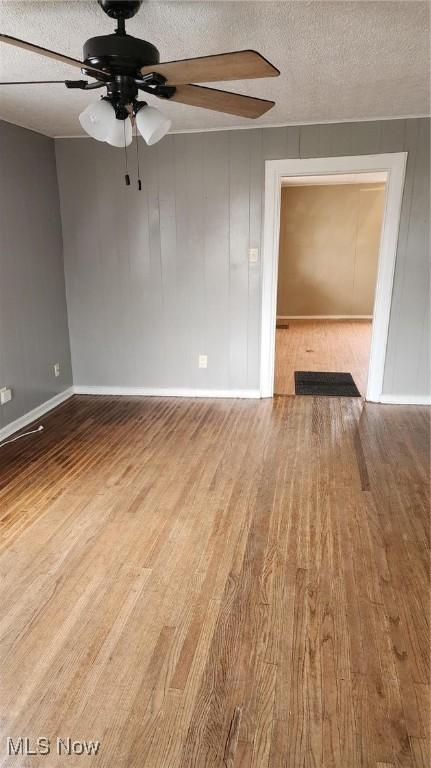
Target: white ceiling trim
column 270, row 125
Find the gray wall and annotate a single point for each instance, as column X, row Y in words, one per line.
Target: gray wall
column 33, row 318
column 158, row 277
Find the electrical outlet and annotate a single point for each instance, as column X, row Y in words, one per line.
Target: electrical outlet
column 203, row 361
column 253, row 255
column 56, row 370
column 5, row 395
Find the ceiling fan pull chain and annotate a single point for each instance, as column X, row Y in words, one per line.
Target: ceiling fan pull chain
column 137, row 161
column 127, row 177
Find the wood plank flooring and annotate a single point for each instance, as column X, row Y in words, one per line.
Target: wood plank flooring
column 218, row 584
column 322, row 345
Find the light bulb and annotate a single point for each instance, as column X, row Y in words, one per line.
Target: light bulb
column 152, row 124
column 97, row 119
column 120, row 134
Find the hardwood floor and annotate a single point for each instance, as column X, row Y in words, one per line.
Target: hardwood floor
column 226, row 583
column 322, row 345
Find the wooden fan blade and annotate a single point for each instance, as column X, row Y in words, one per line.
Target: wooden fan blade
column 240, row 65
column 48, row 54
column 221, row 101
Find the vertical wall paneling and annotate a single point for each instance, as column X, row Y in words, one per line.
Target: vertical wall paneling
column 169, row 278
column 293, row 134
column 410, row 143
column 254, row 269
column 239, row 236
column 186, row 303
column 111, row 264
column 275, row 143
column 155, row 332
column 141, row 310
column 411, row 313
column 169, row 263
column 323, row 149
column 309, row 144
column 366, row 139
column 216, row 254
column 34, row 330
column 190, row 284
column 392, row 133
column 342, row 139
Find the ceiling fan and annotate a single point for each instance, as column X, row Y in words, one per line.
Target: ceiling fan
column 125, row 65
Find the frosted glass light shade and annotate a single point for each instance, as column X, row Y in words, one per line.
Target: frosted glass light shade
column 152, row 125
column 97, row 119
column 120, row 134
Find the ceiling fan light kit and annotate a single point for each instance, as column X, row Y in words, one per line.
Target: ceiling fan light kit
column 120, row 133
column 97, row 119
column 126, row 65
column 152, row 124
column 101, row 123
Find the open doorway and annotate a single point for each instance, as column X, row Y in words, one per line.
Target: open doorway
column 329, row 243
column 394, row 165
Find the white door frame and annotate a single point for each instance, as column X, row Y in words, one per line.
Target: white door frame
column 394, row 164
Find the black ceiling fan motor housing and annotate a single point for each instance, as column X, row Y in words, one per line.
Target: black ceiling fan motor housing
column 120, row 9
column 119, row 54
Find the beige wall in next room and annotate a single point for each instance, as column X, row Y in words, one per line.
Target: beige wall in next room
column 329, row 247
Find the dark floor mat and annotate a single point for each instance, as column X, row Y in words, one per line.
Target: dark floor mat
column 325, row 383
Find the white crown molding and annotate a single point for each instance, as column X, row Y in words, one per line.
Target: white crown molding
column 270, row 125
column 166, row 392
column 35, row 414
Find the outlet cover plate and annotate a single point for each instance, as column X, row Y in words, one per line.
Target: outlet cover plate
column 5, row 396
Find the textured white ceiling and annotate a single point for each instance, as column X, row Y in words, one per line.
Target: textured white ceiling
column 338, row 60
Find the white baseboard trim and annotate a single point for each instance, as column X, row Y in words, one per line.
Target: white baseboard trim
column 324, row 317
column 406, row 399
column 166, row 392
column 35, row 414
